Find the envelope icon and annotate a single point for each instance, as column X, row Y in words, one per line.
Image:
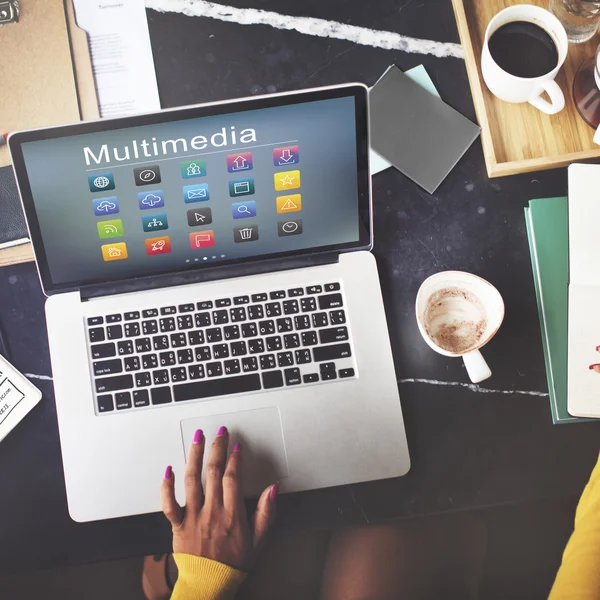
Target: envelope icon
column 196, row 193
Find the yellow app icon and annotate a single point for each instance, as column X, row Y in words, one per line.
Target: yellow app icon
column 114, row 251
column 286, row 204
column 287, row 180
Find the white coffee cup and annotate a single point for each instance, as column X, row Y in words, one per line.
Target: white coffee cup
column 458, row 313
column 511, row 88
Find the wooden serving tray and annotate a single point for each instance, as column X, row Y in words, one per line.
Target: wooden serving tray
column 518, row 138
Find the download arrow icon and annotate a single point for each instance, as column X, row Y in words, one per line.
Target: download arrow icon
column 286, row 155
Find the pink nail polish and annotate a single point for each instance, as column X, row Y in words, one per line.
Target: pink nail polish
column 273, row 493
column 198, row 436
column 222, row 431
column 237, row 447
column 168, row 472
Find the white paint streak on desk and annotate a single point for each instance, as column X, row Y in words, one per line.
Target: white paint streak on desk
column 473, row 387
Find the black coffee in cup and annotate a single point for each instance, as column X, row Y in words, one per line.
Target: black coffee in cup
column 523, row 49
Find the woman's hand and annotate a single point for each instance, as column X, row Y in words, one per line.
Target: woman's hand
column 213, row 523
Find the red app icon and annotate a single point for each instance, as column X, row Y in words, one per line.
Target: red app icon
column 202, row 239
column 158, row 245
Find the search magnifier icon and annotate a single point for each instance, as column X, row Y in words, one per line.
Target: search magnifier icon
column 243, row 210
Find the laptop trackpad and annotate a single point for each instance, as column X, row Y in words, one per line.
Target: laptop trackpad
column 261, row 434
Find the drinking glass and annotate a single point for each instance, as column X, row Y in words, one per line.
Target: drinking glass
column 580, row 18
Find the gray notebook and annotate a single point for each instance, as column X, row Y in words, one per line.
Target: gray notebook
column 418, row 133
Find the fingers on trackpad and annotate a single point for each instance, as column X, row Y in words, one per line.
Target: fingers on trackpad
column 261, row 434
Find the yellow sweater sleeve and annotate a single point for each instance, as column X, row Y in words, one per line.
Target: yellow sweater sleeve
column 579, row 575
column 205, row 579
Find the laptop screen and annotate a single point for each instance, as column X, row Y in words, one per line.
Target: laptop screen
column 186, row 189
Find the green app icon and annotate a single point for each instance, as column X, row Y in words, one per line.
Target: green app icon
column 193, row 168
column 110, row 229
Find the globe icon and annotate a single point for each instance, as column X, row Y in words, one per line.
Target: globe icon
column 101, row 182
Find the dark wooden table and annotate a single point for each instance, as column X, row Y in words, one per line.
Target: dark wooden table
column 469, row 449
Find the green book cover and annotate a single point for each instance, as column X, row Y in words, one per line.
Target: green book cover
column 548, row 233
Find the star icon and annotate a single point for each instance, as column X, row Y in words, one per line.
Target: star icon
column 287, row 180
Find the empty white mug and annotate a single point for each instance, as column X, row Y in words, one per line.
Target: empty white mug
column 457, row 314
column 511, row 88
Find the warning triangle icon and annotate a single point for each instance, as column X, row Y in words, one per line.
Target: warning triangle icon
column 289, row 205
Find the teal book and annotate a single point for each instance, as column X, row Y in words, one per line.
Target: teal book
column 547, row 223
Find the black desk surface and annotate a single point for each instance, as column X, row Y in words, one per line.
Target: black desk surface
column 469, row 448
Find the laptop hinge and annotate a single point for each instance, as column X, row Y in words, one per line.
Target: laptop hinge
column 207, row 274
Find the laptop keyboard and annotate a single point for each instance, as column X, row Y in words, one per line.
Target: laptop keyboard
column 202, row 350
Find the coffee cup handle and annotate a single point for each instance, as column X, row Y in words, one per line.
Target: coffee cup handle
column 476, row 366
column 557, row 98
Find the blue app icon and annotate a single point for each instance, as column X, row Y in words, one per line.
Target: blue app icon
column 153, row 199
column 155, row 222
column 243, row 210
column 101, row 182
column 196, row 193
column 105, row 206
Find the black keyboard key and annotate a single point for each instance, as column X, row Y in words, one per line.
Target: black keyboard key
column 185, row 308
column 214, row 335
column 185, row 322
column 291, row 307
column 332, row 287
column 308, row 304
column 125, row 348
column 220, row 350
column 303, row 356
column 335, row 334
column 132, row 329
column 178, row 374
column 292, row 377
column 196, row 371
column 237, row 314
column 231, row 332
column 272, row 379
column 160, row 342
column 337, row 317
column 256, row 346
column 330, row 301
column 273, row 309
column 328, row 375
column 149, row 361
column 309, row 338
column 161, row 395
column 104, row 350
column 291, row 341
column 113, row 318
column 150, row 312
column 196, row 338
column 141, row 398
column 332, row 352
column 285, row 359
column 143, row 379
column 111, row 384
column 320, row 319
column 202, row 353
column 167, row 324
column 178, row 340
column 266, row 327
column 161, row 376
column 256, row 312
column 220, row 317
column 168, row 310
column 95, row 321
column 123, row 400
column 314, row 289
column 241, row 300
column 274, row 343
column 232, row 366
column 167, row 359
column 267, row 361
column 302, row 322
column 143, row 345
column 284, row 325
column 249, row 364
column 249, row 330
column 108, row 367
column 132, row 316
column 185, row 356
column 259, row 297
column 310, row 378
column 277, row 295
column 219, row 387
column 202, row 319
column 204, row 305
column 295, row 292
column 96, row 334
column 223, row 302
column 149, row 327
column 238, row 348
column 132, row 363
column 346, row 373
column 214, row 369
column 105, row 403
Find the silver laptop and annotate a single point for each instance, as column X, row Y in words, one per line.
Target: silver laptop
column 210, row 266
